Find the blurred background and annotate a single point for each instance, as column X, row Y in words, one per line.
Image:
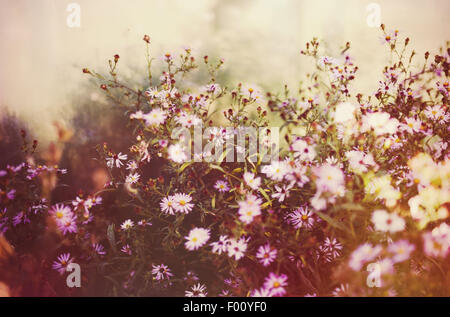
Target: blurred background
column 42, row 56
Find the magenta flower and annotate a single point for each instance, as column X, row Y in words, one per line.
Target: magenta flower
column 276, row 283
column 62, row 261
column 266, row 254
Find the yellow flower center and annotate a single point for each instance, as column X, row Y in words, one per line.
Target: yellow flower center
column 437, row 245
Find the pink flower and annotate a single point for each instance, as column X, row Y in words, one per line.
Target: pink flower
column 401, row 250
column 161, row 272
column 221, row 245
column 437, row 242
column 330, row 178
column 62, row 261
column 68, row 225
column 276, row 283
column 249, row 208
column 363, row 254
column 126, row 249
column 221, row 186
column 333, row 246
column 262, row 292
column 266, row 254
column 116, row 160
column 302, row 217
column 237, row 248
column 196, row 238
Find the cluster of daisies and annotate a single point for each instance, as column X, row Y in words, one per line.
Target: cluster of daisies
column 18, row 203
column 177, row 203
column 358, row 182
column 198, row 237
column 66, row 218
column 345, row 145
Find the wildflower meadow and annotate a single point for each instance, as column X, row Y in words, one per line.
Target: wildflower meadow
column 218, row 190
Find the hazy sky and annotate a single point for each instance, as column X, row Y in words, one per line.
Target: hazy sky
column 42, row 57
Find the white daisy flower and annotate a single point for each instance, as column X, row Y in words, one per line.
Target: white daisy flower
column 275, row 171
column 276, row 283
column 221, row 245
column 132, row 178
column 303, row 150
column 387, row 222
column 252, row 181
column 127, row 224
column 167, row 205
column 330, row 178
column 188, row 120
column 345, row 112
column 266, row 254
column 155, row 117
column 237, row 248
column 249, row 208
column 182, row 203
column 116, row 160
column 359, row 161
column 301, row 218
column 176, row 153
column 198, row 290
column 412, row 125
column 132, row 165
column 196, row 238
column 380, row 122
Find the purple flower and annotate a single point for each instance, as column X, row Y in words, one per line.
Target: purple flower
column 276, row 283
column 161, row 272
column 20, row 218
column 67, row 225
column 62, row 261
column 98, row 248
column 266, row 254
column 126, row 249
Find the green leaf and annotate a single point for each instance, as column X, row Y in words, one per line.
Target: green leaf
column 222, row 157
column 183, row 167
column 263, row 192
column 217, row 167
